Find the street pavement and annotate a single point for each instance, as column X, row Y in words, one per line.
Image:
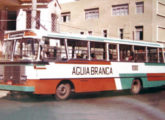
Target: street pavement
column 116, row 105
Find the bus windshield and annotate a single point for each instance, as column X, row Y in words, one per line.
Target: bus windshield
column 26, row 49
column 7, row 49
column 22, row 49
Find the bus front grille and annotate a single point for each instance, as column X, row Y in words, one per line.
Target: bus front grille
column 12, row 73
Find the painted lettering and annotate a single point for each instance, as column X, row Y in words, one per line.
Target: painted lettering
column 91, row 70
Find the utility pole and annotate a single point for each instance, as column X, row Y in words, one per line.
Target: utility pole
column 34, row 12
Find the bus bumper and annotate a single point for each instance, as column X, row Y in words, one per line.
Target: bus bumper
column 17, row 88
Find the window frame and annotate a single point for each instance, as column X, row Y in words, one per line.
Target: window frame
column 140, row 7
column 54, row 22
column 120, row 10
column 121, row 33
column 105, row 33
column 91, row 13
column 67, row 16
column 139, row 32
column 29, row 19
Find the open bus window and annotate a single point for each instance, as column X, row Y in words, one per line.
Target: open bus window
column 26, row 49
column 152, row 55
column 113, row 52
column 98, row 50
column 8, row 49
column 53, row 49
column 126, row 53
column 139, row 54
column 160, row 55
column 77, row 49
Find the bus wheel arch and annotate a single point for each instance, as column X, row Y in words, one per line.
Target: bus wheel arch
column 64, row 89
column 136, row 86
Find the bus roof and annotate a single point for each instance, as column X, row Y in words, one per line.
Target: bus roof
column 104, row 39
column 39, row 34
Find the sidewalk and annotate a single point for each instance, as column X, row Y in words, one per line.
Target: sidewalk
column 3, row 93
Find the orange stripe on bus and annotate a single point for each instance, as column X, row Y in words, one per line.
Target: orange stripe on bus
column 156, row 76
column 81, row 85
column 94, row 84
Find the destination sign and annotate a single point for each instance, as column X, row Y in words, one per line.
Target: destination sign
column 16, row 34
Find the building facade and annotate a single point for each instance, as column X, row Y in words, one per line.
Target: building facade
column 125, row 19
column 17, row 15
column 47, row 15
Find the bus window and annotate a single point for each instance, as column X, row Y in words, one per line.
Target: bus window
column 113, row 52
column 77, row 49
column 152, row 54
column 160, row 55
column 8, row 49
column 98, row 51
column 26, row 49
column 126, row 53
column 139, row 54
column 53, row 49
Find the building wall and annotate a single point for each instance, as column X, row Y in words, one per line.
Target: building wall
column 46, row 9
column 45, row 17
column 5, row 7
column 159, row 20
column 19, row 9
column 112, row 24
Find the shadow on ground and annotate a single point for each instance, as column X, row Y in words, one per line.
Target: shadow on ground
column 24, row 97
column 117, row 93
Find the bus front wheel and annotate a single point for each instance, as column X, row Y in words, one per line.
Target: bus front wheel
column 136, row 86
column 63, row 91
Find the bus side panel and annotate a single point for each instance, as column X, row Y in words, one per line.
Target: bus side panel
column 44, row 86
column 127, row 79
column 81, row 85
column 154, row 80
column 94, row 84
column 156, row 76
column 147, row 82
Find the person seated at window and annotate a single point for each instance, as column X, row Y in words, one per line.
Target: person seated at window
column 131, row 57
column 80, row 56
column 93, row 56
column 110, row 56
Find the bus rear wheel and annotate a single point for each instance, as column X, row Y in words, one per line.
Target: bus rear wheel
column 63, row 91
column 136, row 86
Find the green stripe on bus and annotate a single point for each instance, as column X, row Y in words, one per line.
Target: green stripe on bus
column 126, row 80
column 17, row 88
column 154, row 64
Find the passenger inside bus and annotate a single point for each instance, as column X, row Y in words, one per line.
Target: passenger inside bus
column 52, row 49
column 81, row 56
column 93, row 56
column 131, row 57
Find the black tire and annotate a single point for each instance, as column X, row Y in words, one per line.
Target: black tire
column 136, row 86
column 63, row 91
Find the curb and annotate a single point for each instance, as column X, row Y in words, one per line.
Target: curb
column 3, row 93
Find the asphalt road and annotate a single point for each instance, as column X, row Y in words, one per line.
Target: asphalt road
column 117, row 105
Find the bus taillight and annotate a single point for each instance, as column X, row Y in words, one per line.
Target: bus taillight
column 29, row 33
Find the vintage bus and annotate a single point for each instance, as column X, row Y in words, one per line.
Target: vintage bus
column 54, row 63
